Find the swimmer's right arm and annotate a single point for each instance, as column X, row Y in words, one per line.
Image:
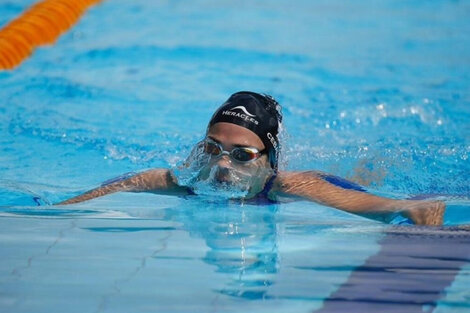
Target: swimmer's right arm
column 156, row 181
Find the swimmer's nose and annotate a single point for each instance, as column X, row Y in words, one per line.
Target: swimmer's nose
column 223, row 169
column 224, row 161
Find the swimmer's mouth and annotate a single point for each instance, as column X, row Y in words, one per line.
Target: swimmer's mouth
column 224, row 181
column 223, row 176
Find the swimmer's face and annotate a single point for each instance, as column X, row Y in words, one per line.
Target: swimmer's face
column 231, row 136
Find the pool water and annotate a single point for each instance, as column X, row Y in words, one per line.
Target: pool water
column 376, row 92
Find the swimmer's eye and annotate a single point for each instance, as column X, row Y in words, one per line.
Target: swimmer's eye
column 212, row 148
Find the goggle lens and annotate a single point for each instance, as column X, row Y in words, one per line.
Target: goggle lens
column 243, row 155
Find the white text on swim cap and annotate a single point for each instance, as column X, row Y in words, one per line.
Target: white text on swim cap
column 247, row 116
column 272, row 140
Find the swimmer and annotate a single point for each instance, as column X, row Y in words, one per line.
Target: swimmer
column 239, row 156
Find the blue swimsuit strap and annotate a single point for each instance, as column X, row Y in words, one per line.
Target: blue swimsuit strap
column 341, row 182
column 267, row 187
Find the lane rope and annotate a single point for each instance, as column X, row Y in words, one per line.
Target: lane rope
column 41, row 24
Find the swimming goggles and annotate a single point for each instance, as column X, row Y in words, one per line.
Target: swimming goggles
column 239, row 154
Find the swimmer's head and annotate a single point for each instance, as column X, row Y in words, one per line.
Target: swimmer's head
column 259, row 113
column 241, row 148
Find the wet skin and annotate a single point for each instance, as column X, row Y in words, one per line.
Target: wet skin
column 308, row 185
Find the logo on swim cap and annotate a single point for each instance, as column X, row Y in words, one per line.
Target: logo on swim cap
column 246, row 116
column 241, row 107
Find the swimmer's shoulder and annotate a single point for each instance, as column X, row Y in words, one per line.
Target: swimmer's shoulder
column 308, row 180
column 286, row 181
column 285, row 178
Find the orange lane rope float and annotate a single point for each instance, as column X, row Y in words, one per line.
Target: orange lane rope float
column 41, row 24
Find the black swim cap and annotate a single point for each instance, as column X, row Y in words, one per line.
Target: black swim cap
column 259, row 113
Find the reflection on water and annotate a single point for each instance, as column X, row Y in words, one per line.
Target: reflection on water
column 242, row 242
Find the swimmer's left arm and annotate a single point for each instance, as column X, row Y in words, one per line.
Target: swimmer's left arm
column 312, row 186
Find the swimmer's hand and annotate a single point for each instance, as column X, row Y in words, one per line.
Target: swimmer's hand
column 424, row 212
column 156, row 181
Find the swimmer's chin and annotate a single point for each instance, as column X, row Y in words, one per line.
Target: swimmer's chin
column 227, row 185
column 225, row 182
column 218, row 182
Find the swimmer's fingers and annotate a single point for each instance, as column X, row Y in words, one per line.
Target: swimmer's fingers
column 425, row 212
